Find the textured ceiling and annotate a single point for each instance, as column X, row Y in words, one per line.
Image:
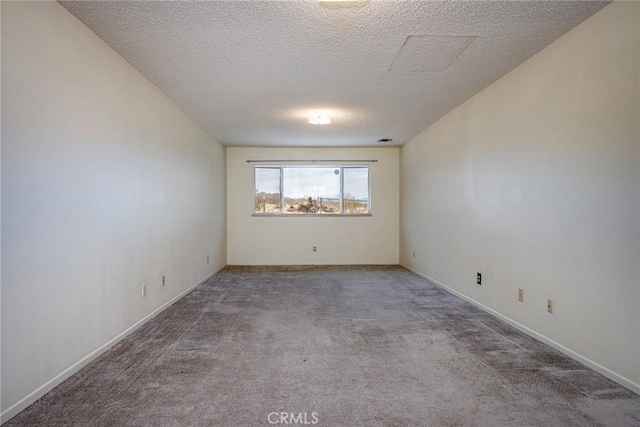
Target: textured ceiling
column 430, row 53
column 251, row 71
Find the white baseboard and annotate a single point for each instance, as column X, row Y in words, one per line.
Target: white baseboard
column 584, row 360
column 21, row 405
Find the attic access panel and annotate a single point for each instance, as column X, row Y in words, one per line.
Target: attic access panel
column 423, row 53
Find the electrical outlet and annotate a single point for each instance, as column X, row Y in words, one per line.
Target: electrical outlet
column 207, row 259
column 551, row 306
column 414, row 254
column 521, row 295
column 163, row 279
column 143, row 289
column 315, row 249
column 479, row 279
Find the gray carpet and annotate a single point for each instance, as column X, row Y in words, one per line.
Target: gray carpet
column 374, row 346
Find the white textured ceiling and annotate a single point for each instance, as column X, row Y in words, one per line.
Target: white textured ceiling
column 251, row 71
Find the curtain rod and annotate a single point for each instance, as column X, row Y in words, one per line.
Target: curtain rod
column 312, row 161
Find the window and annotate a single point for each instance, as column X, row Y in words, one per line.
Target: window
column 312, row 190
column 268, row 190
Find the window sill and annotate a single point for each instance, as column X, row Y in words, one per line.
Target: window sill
column 266, row 215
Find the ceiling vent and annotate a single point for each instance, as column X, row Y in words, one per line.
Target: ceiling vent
column 385, row 140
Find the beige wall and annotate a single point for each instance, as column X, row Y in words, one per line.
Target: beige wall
column 534, row 182
column 289, row 240
column 106, row 184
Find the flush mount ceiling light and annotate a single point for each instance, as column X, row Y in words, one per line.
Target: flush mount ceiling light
column 319, row 119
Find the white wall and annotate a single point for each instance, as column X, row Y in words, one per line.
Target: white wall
column 534, row 182
column 289, row 240
column 106, row 184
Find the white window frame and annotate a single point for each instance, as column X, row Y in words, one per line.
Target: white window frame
column 283, row 214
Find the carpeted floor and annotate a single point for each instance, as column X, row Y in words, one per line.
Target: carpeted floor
column 346, row 346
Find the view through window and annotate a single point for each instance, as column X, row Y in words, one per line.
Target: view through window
column 312, row 190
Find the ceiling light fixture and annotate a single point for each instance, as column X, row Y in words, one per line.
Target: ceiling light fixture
column 319, row 119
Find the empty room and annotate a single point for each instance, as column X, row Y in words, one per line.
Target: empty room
column 315, row 212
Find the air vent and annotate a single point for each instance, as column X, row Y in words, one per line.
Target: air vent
column 385, row 140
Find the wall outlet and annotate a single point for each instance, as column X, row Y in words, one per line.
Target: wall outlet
column 162, row 279
column 521, row 295
column 315, row 249
column 414, row 254
column 479, row 279
column 551, row 306
column 143, row 289
column 207, row 259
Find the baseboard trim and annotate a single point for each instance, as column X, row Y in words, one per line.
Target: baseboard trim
column 21, row 405
column 633, row 386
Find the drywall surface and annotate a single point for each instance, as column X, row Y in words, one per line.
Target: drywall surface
column 269, row 64
column 289, row 240
column 106, row 184
column 534, row 182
